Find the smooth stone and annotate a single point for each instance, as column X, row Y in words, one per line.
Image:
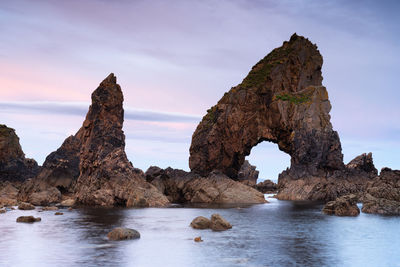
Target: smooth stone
column 28, row 219
column 121, row 233
column 200, row 222
column 26, row 206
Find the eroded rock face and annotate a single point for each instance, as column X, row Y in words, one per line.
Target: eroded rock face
column 92, row 166
column 248, row 174
column 383, row 194
column 13, row 164
column 353, row 179
column 107, row 178
column 183, row 187
column 282, row 100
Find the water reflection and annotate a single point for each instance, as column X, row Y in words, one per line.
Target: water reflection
column 281, row 233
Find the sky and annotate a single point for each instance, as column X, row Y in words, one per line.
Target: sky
column 175, row 59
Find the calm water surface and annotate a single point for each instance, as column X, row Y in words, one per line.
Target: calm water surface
column 281, row 233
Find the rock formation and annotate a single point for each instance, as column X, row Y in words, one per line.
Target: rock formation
column 342, row 206
column 248, row 174
column 282, row 100
column 13, row 164
column 92, row 165
column 383, row 194
column 184, row 187
column 267, row 187
column 353, row 179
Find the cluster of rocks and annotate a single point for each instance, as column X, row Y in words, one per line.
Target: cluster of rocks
column 216, row 223
column 282, row 100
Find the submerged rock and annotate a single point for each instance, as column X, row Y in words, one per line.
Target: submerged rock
column 13, row 164
column 200, row 222
column 26, row 206
column 52, row 208
column 123, row 234
column 28, row 219
column 198, row 239
column 58, row 213
column 342, row 206
column 218, row 223
column 3, row 210
column 383, row 194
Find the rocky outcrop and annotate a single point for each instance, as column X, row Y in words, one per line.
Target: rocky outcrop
column 282, row 100
column 123, row 234
column 57, row 176
column 248, row 174
column 183, row 187
column 92, row 166
column 353, row 179
column 267, row 187
column 342, row 206
column 383, row 194
column 13, row 164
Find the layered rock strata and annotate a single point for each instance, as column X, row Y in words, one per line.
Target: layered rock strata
column 383, row 194
column 185, row 187
column 282, row 100
column 92, row 164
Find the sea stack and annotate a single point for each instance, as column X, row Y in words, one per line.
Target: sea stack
column 92, row 165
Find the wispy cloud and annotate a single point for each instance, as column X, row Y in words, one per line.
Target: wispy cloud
column 81, row 108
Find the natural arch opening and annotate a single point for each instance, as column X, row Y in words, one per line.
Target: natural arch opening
column 269, row 160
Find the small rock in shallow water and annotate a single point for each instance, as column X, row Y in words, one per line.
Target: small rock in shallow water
column 200, row 222
column 58, row 213
column 198, row 239
column 123, row 234
column 28, row 219
column 26, row 206
column 218, row 223
column 49, row 208
column 3, row 210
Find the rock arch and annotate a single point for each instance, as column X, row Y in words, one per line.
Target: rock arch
column 281, row 100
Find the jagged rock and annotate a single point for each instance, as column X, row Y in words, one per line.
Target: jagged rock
column 267, row 187
column 218, row 223
column 282, row 100
column 107, row 178
column 13, row 164
column 353, row 179
column 248, row 174
column 342, row 206
column 92, row 165
column 200, row 222
column 56, row 177
column 26, row 206
column 28, row 219
column 183, row 187
column 383, row 194
column 123, row 234
column 364, row 164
